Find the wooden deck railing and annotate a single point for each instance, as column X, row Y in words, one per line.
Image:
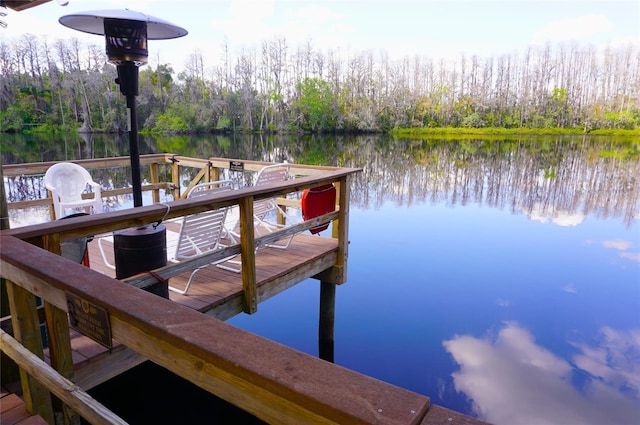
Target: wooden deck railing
column 210, row 169
column 50, row 235
column 268, row 380
column 154, row 162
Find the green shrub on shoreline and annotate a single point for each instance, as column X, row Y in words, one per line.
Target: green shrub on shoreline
column 497, row 131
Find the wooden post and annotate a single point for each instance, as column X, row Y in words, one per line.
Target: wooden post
column 26, row 327
column 59, row 339
column 175, row 179
column 9, row 371
column 340, row 229
column 214, row 173
column 52, row 207
column 281, row 219
column 337, row 274
column 327, row 320
column 155, row 179
column 4, row 208
column 248, row 251
column 60, row 354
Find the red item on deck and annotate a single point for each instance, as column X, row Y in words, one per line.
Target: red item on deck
column 318, row 201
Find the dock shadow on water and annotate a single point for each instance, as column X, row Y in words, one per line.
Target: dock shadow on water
column 150, row 394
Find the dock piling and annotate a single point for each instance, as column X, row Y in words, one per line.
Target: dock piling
column 327, row 320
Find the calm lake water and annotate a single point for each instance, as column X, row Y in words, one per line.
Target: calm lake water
column 499, row 277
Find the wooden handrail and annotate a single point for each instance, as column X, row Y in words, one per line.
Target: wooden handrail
column 209, row 170
column 266, row 379
column 39, row 168
column 64, row 389
column 13, row 170
column 132, row 217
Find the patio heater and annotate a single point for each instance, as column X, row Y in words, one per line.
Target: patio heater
column 126, row 33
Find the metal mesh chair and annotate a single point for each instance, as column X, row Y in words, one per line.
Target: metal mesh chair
column 265, row 210
column 201, row 233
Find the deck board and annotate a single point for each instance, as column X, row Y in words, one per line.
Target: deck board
column 13, row 412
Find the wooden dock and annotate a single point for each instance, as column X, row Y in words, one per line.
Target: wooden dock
column 184, row 334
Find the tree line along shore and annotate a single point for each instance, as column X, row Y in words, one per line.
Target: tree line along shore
column 63, row 86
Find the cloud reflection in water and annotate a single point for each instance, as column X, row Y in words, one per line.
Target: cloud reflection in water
column 544, row 214
column 622, row 246
column 512, row 380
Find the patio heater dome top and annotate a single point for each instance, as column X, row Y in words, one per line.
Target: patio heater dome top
column 92, row 22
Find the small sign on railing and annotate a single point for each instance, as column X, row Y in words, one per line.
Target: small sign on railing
column 236, row 166
column 89, row 319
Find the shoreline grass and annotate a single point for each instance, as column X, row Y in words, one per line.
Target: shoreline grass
column 500, row 131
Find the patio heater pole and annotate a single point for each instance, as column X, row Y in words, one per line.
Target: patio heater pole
column 126, row 32
column 128, row 81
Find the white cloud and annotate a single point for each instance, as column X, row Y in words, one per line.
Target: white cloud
column 325, row 28
column 251, row 11
column 578, row 28
column 513, row 380
column 347, row 27
column 247, row 21
column 570, row 289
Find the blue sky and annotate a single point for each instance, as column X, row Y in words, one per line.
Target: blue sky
column 423, row 27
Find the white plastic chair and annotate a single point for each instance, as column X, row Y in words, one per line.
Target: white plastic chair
column 67, row 182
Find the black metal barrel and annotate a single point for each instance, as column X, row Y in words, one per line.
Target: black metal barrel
column 140, row 250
